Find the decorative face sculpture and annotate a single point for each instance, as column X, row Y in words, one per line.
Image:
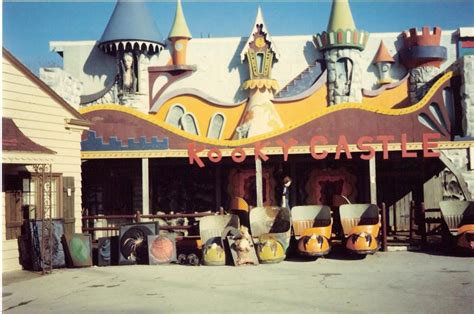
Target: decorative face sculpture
column 128, row 78
column 128, row 60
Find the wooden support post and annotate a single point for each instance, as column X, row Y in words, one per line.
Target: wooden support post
column 294, row 183
column 412, row 221
column 384, row 228
column 145, row 187
column 373, row 180
column 217, row 187
column 422, row 224
column 258, row 177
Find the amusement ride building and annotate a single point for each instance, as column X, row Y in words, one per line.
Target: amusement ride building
column 183, row 125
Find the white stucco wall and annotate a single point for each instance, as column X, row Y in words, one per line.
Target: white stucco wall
column 87, row 63
column 220, row 71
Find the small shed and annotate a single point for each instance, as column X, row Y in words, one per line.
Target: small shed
column 41, row 136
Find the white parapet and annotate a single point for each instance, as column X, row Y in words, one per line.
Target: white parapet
column 66, row 86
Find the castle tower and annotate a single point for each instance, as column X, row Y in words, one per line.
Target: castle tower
column 422, row 55
column 179, row 36
column 383, row 60
column 132, row 37
column 341, row 45
column 260, row 116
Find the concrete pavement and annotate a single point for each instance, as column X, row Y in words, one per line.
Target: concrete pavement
column 386, row 282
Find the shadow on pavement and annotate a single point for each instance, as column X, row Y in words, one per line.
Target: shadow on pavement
column 18, row 276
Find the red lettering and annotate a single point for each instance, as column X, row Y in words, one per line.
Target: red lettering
column 238, row 158
column 427, row 153
column 385, row 139
column 286, row 146
column 361, row 145
column 342, row 145
column 405, row 153
column 258, row 151
column 193, row 157
column 312, row 147
column 214, row 155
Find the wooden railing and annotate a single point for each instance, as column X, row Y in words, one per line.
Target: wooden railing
column 114, row 227
column 428, row 221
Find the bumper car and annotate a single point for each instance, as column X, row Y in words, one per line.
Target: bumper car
column 361, row 227
column 210, row 230
column 239, row 207
column 271, row 231
column 459, row 218
column 312, row 228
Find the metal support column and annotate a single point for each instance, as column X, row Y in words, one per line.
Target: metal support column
column 145, row 186
column 373, row 181
column 258, row 177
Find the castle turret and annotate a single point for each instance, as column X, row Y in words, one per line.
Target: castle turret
column 422, row 55
column 383, row 60
column 131, row 27
column 341, row 45
column 132, row 37
column 260, row 116
column 179, row 36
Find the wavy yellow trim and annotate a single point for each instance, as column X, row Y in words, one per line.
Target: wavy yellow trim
column 234, row 143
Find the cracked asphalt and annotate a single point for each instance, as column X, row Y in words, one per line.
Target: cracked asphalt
column 393, row 282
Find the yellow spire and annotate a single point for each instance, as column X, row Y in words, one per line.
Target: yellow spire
column 341, row 16
column 179, row 28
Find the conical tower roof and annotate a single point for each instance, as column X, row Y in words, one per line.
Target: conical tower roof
column 341, row 16
column 180, row 27
column 382, row 54
column 341, row 31
column 131, row 23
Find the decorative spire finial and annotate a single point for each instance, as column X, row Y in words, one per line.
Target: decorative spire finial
column 180, row 27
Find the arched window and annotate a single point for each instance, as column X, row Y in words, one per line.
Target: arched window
column 260, row 60
column 188, row 122
column 216, row 126
column 344, row 75
column 174, row 115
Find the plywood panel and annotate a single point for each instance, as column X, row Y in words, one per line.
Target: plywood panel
column 433, row 192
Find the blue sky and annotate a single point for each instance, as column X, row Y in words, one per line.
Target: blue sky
column 29, row 26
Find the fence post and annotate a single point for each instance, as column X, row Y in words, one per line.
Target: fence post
column 384, row 228
column 137, row 216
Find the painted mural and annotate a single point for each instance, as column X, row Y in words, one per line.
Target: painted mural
column 328, row 98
